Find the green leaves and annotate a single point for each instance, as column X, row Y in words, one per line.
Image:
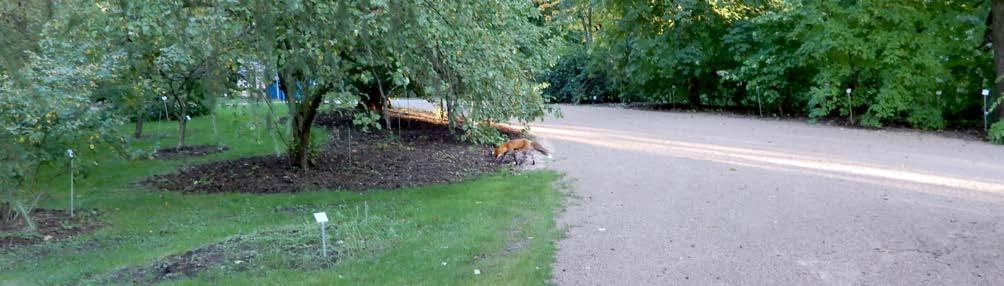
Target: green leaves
column 798, row 57
column 996, row 133
column 48, row 109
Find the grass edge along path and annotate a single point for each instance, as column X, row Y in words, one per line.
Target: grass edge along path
column 501, row 224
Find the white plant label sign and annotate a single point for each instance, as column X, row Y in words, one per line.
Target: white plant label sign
column 321, row 217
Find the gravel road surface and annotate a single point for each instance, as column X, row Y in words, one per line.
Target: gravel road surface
column 677, row 198
column 670, row 198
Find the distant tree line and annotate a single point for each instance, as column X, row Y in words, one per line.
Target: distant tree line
column 916, row 63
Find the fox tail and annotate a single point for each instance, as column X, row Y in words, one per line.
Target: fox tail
column 540, row 148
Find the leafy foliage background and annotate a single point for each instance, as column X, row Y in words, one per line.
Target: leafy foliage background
column 915, row 63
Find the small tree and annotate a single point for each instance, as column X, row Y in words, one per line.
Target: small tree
column 194, row 38
column 172, row 49
column 477, row 56
column 47, row 110
column 301, row 43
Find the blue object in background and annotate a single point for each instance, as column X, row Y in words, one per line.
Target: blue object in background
column 275, row 93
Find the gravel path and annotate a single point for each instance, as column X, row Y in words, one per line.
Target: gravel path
column 670, row 198
column 667, row 198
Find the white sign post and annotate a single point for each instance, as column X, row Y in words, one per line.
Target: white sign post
column 322, row 218
column 164, row 99
column 850, row 105
column 69, row 153
column 759, row 105
column 986, row 95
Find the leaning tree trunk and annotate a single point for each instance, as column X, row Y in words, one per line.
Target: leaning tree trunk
column 997, row 36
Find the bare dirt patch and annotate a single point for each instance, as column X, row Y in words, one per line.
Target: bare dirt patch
column 50, row 225
column 420, row 150
column 189, row 151
column 237, row 254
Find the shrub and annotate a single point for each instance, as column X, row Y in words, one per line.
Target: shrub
column 996, row 133
column 572, row 81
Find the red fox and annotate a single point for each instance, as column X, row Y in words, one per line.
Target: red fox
column 521, row 145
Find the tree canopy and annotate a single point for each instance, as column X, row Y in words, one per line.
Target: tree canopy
column 916, row 63
column 478, row 57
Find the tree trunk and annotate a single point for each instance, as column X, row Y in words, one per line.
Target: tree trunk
column 301, row 144
column 139, row 124
column 301, row 119
column 182, row 123
column 383, row 96
column 589, row 22
column 997, row 36
column 386, row 114
column 451, row 108
column 693, row 94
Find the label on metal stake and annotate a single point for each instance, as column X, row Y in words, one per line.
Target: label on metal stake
column 321, row 217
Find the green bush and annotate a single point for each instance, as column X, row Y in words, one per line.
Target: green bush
column 920, row 64
column 571, row 81
column 124, row 102
column 996, row 133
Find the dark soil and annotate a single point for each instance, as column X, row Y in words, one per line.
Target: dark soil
column 50, row 225
column 187, row 264
column 233, row 255
column 189, row 151
column 421, row 150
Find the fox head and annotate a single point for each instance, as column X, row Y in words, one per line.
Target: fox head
column 490, row 151
column 498, row 152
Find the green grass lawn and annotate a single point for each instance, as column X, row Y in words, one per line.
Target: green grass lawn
column 501, row 224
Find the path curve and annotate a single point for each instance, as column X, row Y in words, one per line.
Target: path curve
column 669, row 198
column 678, row 198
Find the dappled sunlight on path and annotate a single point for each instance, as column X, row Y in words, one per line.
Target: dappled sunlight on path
column 766, row 159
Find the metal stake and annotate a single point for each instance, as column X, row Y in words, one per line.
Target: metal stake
column 71, row 187
column 986, row 94
column 164, row 100
column 850, row 105
column 758, row 104
column 324, row 240
column 69, row 153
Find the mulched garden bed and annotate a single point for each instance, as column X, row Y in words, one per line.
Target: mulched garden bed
column 421, row 152
column 189, row 151
column 187, row 264
column 50, row 225
column 231, row 256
